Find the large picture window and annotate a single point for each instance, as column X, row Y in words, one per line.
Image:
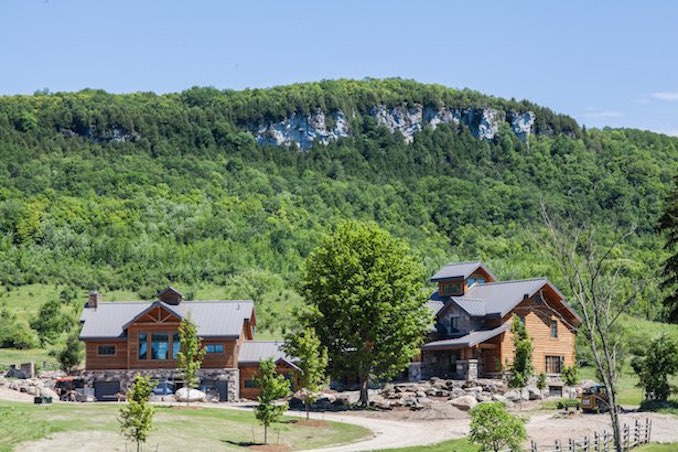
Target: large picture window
column 159, row 345
column 176, row 345
column 143, row 345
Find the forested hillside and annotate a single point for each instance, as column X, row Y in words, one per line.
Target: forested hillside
column 132, row 192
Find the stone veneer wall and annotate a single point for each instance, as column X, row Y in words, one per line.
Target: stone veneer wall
column 125, row 377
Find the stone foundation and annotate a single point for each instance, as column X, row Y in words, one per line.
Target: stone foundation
column 125, row 377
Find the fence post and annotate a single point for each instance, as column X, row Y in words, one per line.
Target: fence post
column 558, row 448
column 636, row 433
column 570, row 445
column 649, row 430
column 627, row 434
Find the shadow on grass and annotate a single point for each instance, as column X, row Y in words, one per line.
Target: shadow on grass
column 659, row 406
column 242, row 443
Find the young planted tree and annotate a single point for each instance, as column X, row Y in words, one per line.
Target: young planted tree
column 366, row 300
column 521, row 368
column 494, row 428
column 306, row 347
column 592, row 274
column 272, row 387
column 191, row 355
column 136, row 418
column 654, row 369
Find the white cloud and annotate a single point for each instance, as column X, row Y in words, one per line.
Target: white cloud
column 667, row 96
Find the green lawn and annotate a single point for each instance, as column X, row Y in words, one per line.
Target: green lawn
column 37, row 355
column 658, row 447
column 176, row 428
column 453, row 445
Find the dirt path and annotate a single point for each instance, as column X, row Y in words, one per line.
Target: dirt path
column 14, row 396
column 544, row 428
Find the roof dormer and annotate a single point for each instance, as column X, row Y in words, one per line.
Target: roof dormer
column 456, row 278
column 170, row 295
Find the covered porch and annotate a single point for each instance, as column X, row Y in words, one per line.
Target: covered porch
column 468, row 357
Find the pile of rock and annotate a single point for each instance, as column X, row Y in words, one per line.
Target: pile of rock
column 31, row 386
column 462, row 395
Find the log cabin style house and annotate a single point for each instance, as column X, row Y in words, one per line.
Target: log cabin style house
column 472, row 335
column 123, row 339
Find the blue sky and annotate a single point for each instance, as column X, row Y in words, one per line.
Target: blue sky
column 605, row 62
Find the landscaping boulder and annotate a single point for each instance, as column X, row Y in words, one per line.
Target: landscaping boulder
column 381, row 404
column 47, row 392
column 513, row 395
column 464, row 403
column 533, row 393
column 190, row 395
column 484, row 396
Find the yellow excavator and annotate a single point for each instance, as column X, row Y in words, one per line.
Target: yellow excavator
column 594, row 399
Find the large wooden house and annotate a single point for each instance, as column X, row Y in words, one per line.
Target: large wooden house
column 472, row 334
column 123, row 339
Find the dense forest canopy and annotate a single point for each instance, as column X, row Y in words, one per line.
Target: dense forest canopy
column 138, row 190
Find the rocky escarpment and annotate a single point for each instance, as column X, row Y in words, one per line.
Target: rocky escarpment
column 304, row 130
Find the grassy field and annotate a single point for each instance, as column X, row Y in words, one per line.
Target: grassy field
column 176, row 428
column 453, row 445
column 37, row 355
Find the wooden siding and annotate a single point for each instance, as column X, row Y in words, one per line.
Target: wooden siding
column 538, row 319
column 94, row 361
column 250, row 371
column 158, row 320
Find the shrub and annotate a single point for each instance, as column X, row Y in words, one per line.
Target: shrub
column 660, row 361
column 570, row 375
column 14, row 333
column 494, row 428
column 541, row 381
column 566, row 404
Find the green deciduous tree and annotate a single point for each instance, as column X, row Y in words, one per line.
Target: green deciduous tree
column 312, row 360
column 50, row 321
column 136, row 418
column 272, row 387
column 494, row 428
column 654, row 369
column 366, row 300
column 668, row 224
column 521, row 368
column 191, row 355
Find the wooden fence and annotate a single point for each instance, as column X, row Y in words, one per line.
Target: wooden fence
column 632, row 437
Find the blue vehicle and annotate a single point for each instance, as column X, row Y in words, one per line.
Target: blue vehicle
column 165, row 387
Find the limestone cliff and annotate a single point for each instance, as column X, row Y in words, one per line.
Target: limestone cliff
column 321, row 127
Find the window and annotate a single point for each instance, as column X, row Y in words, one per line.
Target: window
column 554, row 364
column 554, row 328
column 159, row 345
column 106, row 350
column 143, row 345
column 522, row 319
column 251, row 383
column 451, row 288
column 215, row 348
column 176, row 345
column 454, row 324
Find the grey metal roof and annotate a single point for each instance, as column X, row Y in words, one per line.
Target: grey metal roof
column 254, row 351
column 459, row 270
column 213, row 318
column 501, row 297
column 473, row 306
column 468, row 340
column 434, row 305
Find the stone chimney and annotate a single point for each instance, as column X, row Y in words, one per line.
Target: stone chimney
column 93, row 299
